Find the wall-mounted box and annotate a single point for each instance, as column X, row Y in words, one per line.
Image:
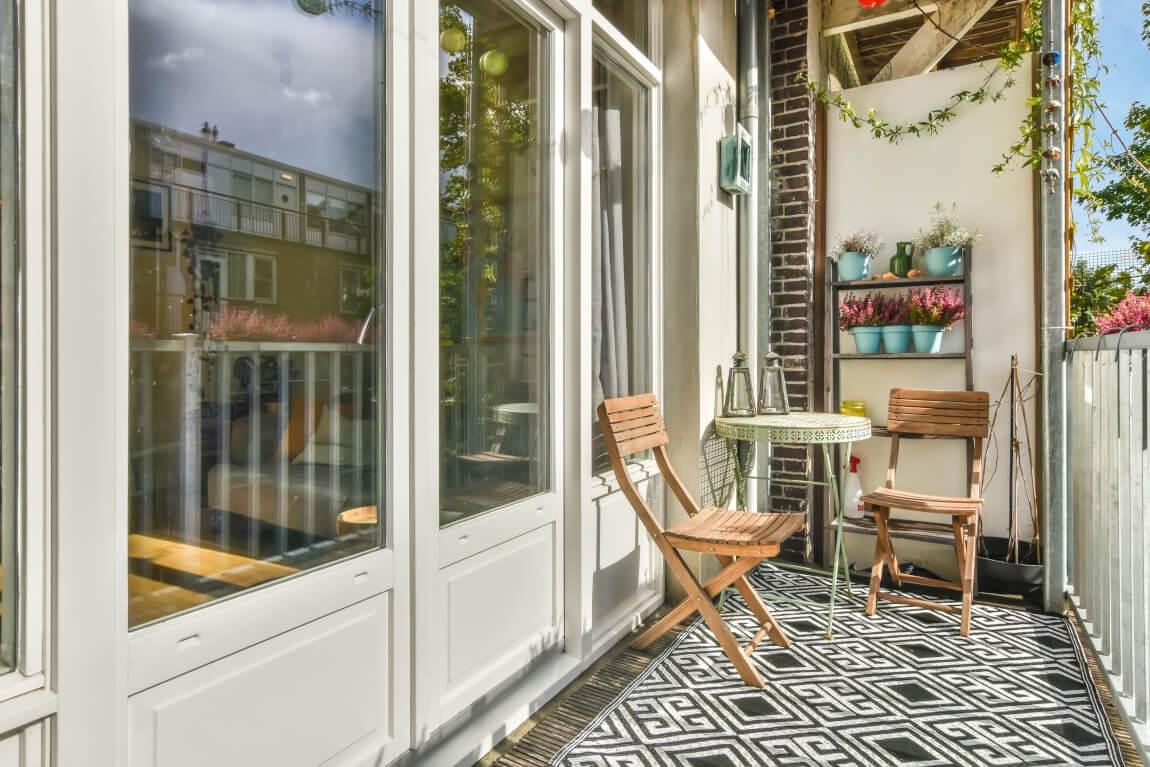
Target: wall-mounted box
column 735, row 161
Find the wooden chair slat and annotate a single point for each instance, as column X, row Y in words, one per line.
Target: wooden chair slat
column 623, row 428
column 941, row 395
column 644, row 442
column 938, row 414
column 934, row 403
column 936, row 429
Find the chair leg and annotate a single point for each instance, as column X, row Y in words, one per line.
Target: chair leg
column 884, row 556
column 968, row 577
column 766, row 620
column 711, row 615
column 732, row 569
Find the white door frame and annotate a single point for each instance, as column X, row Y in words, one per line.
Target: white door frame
column 433, row 548
column 91, row 236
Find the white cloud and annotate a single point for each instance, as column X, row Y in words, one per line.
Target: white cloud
column 174, row 59
column 311, row 96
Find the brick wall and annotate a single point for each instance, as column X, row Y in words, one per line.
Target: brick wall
column 792, row 237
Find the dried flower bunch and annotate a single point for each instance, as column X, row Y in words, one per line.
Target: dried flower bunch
column 935, row 306
column 944, row 231
column 865, row 241
column 1131, row 313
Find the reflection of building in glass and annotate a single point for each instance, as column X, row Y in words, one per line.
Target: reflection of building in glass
column 254, row 409
column 215, row 227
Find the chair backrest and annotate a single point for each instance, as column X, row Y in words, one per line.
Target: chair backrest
column 631, row 425
column 939, row 413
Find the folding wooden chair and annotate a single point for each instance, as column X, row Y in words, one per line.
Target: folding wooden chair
column 942, row 414
column 740, row 539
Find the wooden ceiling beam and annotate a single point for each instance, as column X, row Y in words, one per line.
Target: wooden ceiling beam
column 929, row 45
column 841, row 16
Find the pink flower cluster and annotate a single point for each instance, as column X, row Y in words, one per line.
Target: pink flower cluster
column 873, row 310
column 936, row 306
column 1132, row 312
column 254, row 325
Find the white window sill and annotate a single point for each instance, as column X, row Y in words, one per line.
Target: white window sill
column 605, row 483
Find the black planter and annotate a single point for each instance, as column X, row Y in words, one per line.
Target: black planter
column 1001, row 577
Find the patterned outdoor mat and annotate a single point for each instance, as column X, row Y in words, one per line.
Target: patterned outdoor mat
column 900, row 688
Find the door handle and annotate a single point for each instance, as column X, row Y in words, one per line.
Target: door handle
column 366, row 325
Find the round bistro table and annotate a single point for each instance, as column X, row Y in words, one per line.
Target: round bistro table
column 822, row 429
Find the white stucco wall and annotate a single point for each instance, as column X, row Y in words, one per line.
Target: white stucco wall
column 892, row 188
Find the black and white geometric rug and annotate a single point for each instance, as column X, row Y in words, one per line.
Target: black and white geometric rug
column 902, row 688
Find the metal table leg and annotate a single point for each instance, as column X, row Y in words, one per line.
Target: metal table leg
column 840, row 553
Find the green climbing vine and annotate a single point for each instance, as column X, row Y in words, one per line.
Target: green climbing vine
column 1084, row 69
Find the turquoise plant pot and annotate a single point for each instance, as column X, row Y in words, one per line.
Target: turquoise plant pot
column 853, row 266
column 867, row 340
column 944, row 262
column 896, row 338
column 928, row 338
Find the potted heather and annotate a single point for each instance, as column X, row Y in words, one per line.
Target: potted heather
column 852, row 253
column 859, row 316
column 942, row 242
column 894, row 311
column 932, row 312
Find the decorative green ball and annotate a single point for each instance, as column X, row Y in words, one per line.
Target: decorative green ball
column 452, row 40
column 494, row 62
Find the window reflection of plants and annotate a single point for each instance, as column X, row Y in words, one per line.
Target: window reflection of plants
column 482, row 126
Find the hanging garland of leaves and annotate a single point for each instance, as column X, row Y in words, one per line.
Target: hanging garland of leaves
column 1084, row 69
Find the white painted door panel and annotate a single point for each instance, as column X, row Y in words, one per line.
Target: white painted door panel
column 24, row 748
column 294, row 701
column 500, row 613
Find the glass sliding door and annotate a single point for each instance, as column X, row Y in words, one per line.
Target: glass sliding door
column 256, row 190
column 620, row 239
column 493, row 260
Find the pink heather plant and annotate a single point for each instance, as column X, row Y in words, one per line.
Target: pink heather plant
column 253, row 325
column 858, row 312
column 892, row 309
column 935, row 306
column 1132, row 312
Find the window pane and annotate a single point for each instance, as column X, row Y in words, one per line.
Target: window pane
column 629, row 17
column 254, row 427
column 9, row 329
column 620, row 150
column 493, row 260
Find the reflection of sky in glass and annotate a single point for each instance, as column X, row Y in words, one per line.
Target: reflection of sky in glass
column 277, row 82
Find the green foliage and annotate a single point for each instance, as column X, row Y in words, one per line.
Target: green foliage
column 1096, row 291
column 1085, row 71
column 1127, row 195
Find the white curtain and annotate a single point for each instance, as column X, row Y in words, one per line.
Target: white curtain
column 609, row 342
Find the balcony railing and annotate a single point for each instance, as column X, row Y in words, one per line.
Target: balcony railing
column 221, row 211
column 1108, row 486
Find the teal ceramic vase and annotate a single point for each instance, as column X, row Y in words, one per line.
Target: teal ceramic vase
column 944, row 262
column 896, row 338
column 928, row 338
column 867, row 339
column 853, row 266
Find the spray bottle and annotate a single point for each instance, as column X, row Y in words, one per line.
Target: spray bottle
column 853, row 505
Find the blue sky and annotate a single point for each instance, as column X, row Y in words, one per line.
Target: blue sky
column 1128, row 60
column 279, row 83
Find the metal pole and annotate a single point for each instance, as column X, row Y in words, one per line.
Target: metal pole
column 1053, row 303
column 749, row 18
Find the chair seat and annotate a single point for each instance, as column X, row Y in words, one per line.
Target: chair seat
column 887, row 497
column 714, row 529
column 492, row 457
